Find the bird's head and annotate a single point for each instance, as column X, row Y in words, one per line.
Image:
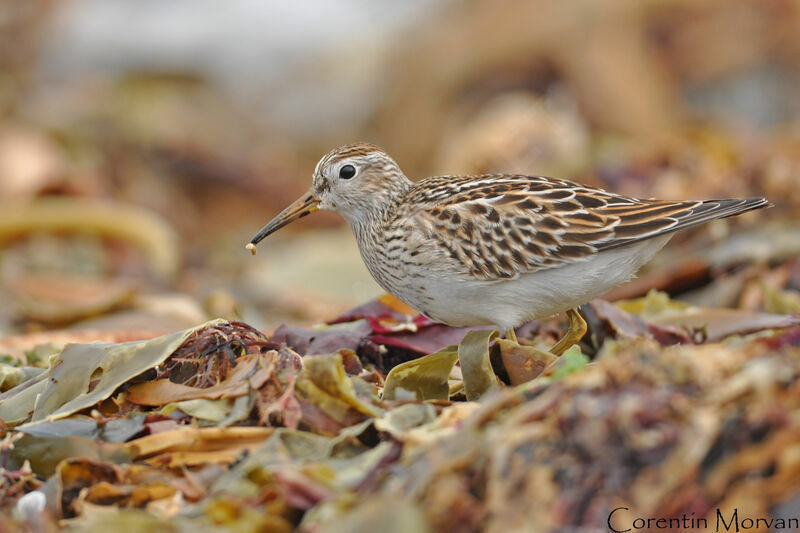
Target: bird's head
column 358, row 181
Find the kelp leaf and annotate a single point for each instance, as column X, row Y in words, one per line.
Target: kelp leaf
column 308, row 468
column 656, row 304
column 426, row 376
column 718, row 323
column 242, row 406
column 163, row 391
column 11, row 376
column 140, row 521
column 622, row 324
column 284, row 447
column 84, row 215
column 195, row 439
column 715, row 323
column 327, row 372
column 476, row 367
column 231, row 514
column 17, row 404
column 405, row 417
column 211, row 410
column 107, row 365
column 114, row 430
column 327, row 386
column 393, row 515
column 45, row 453
column 322, row 411
column 781, row 301
column 523, row 363
column 346, row 473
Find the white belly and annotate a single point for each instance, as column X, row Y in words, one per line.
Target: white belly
column 509, row 303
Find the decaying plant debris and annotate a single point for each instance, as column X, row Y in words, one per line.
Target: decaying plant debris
column 222, row 425
column 126, row 196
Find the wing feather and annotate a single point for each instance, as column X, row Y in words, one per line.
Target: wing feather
column 499, row 226
column 636, row 226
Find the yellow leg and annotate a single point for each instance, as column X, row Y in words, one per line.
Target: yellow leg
column 511, row 335
column 576, row 331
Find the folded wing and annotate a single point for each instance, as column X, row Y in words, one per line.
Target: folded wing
column 500, row 226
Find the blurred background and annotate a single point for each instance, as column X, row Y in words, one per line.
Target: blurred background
column 142, row 143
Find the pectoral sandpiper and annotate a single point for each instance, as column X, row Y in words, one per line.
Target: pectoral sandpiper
column 495, row 249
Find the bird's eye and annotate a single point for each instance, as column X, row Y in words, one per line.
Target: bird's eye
column 347, row 172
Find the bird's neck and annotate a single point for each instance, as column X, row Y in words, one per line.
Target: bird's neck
column 370, row 218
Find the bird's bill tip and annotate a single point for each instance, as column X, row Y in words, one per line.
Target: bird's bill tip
column 305, row 205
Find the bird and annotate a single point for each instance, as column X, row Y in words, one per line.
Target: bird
column 493, row 249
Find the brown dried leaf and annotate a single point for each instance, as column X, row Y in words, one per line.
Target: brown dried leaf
column 189, row 443
column 522, row 363
column 251, row 371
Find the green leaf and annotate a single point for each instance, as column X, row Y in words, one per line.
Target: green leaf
column 572, row 360
column 6, row 359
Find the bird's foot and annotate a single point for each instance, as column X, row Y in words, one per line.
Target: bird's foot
column 576, row 331
column 511, row 335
